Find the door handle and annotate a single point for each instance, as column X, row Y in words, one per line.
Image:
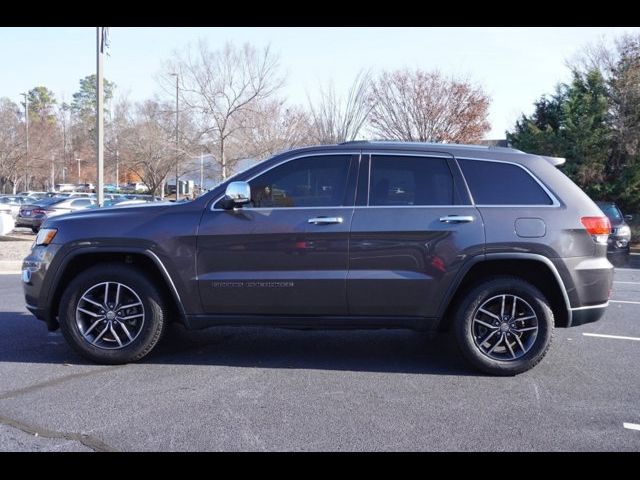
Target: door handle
column 325, row 220
column 456, row 219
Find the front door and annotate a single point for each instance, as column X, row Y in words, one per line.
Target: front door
column 412, row 230
column 285, row 253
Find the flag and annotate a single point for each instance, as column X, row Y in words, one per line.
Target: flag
column 104, row 38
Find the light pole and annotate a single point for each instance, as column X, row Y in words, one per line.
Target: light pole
column 78, row 160
column 177, row 118
column 117, row 167
column 26, row 119
column 100, row 44
column 53, row 172
column 201, row 170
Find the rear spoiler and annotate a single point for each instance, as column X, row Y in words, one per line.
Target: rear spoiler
column 555, row 161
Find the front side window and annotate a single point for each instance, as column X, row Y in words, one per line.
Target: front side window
column 497, row 183
column 410, row 180
column 319, row 181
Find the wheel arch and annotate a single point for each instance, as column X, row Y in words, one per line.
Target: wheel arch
column 80, row 259
column 536, row 269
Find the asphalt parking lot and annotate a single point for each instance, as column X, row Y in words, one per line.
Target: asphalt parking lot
column 271, row 389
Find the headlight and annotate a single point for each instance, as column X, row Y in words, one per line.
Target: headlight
column 624, row 231
column 45, row 236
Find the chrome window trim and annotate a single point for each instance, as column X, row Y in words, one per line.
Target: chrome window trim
column 287, row 160
column 555, row 202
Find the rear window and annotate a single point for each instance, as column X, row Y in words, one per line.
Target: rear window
column 493, row 183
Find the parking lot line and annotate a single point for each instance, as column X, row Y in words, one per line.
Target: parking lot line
column 631, row 426
column 624, row 301
column 630, row 283
column 618, row 337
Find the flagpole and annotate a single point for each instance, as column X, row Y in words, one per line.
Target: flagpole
column 99, row 115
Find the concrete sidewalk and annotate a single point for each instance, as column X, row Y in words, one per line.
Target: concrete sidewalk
column 10, row 266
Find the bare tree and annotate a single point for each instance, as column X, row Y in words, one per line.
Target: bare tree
column 12, row 148
column 219, row 89
column 145, row 144
column 427, row 107
column 335, row 119
column 273, row 127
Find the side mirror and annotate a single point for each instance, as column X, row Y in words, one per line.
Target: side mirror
column 236, row 194
column 628, row 218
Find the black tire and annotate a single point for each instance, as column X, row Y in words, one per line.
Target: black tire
column 35, row 230
column 467, row 340
column 150, row 331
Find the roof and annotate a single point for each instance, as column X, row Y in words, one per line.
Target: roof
column 391, row 143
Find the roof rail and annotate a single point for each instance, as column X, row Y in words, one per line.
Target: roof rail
column 352, row 142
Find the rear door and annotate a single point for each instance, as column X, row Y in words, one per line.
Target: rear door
column 412, row 229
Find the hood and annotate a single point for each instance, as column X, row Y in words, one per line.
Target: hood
column 110, row 213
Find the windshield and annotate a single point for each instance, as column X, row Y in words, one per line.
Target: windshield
column 611, row 211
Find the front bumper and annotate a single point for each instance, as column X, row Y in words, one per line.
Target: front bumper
column 36, row 280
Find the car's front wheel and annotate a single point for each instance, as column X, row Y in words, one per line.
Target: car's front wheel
column 112, row 314
column 504, row 326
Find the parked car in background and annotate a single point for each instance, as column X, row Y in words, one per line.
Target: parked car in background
column 13, row 203
column 81, row 194
column 65, row 187
column 33, row 194
column 135, row 187
column 494, row 244
column 7, row 222
column 119, row 202
column 619, row 243
column 85, row 187
column 33, row 215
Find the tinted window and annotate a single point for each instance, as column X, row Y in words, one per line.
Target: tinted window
column 410, row 181
column 493, row 183
column 307, row 182
column 611, row 211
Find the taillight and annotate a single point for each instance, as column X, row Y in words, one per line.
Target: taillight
column 39, row 211
column 598, row 227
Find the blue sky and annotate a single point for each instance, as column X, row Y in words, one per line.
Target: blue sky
column 514, row 65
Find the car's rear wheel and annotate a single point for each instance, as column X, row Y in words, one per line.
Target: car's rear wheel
column 112, row 314
column 504, row 326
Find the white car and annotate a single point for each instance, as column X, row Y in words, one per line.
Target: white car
column 11, row 204
column 6, row 221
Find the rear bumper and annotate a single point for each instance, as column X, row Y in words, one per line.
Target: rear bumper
column 588, row 282
column 29, row 222
column 583, row 315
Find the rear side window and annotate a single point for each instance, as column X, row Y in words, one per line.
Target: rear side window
column 400, row 180
column 493, row 183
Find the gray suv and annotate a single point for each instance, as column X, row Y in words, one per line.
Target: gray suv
column 491, row 243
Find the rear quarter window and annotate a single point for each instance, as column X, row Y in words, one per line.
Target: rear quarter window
column 496, row 183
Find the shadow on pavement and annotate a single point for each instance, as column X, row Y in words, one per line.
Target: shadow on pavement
column 26, row 340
